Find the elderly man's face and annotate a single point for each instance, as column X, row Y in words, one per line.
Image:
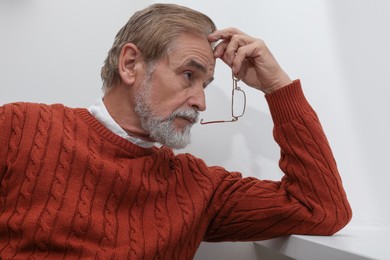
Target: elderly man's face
column 170, row 98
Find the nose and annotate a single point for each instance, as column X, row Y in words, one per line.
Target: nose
column 197, row 99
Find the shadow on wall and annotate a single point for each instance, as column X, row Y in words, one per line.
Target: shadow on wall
column 246, row 145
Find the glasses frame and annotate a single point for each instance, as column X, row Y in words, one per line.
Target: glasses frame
column 234, row 117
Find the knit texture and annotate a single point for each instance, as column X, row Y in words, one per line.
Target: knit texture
column 69, row 188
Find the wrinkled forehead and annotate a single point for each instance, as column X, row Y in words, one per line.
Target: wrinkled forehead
column 193, row 46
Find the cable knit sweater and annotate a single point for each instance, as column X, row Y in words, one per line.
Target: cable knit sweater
column 70, row 188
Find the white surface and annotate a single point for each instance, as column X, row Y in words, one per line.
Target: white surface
column 351, row 243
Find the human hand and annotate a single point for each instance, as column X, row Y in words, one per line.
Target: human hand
column 250, row 59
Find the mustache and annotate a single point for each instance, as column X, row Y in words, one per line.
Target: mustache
column 190, row 114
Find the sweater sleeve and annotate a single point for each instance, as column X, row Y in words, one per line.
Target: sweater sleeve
column 12, row 118
column 3, row 143
column 309, row 199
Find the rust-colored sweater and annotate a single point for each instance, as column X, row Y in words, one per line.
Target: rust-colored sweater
column 70, row 188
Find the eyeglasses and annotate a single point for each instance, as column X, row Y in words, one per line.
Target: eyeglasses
column 238, row 104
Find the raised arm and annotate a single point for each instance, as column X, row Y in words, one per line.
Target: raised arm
column 310, row 198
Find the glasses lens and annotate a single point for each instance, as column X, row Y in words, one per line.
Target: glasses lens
column 239, row 101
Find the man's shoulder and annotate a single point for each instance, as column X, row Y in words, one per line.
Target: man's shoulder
column 32, row 106
column 20, row 111
column 25, row 105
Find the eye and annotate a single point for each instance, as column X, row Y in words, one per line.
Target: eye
column 188, row 75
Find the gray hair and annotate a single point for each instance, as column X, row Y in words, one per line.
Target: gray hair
column 153, row 30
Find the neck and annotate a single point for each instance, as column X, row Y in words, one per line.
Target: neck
column 144, row 137
column 119, row 102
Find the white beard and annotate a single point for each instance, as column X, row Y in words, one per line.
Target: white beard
column 162, row 129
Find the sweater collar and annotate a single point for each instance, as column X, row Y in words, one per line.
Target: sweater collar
column 100, row 112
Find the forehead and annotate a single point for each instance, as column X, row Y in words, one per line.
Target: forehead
column 194, row 50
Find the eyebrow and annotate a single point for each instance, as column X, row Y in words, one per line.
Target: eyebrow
column 196, row 65
column 199, row 66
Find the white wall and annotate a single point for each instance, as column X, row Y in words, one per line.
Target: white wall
column 52, row 51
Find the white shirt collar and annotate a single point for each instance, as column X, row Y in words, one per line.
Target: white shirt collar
column 99, row 111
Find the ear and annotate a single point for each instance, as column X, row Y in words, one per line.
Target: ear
column 129, row 59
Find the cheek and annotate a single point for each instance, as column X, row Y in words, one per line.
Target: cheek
column 169, row 101
column 167, row 95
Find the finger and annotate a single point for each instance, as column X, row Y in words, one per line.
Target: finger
column 242, row 55
column 223, row 34
column 226, row 50
column 236, row 42
column 219, row 52
column 220, row 49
